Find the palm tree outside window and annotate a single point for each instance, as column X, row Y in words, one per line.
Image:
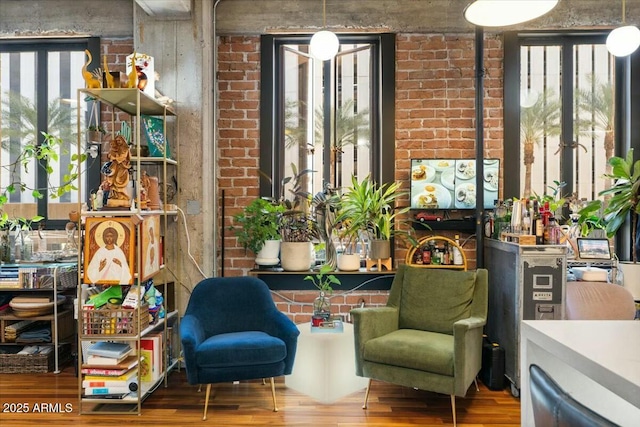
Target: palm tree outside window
column 329, row 115
column 39, row 79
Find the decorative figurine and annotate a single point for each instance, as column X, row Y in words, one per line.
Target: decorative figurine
column 91, row 81
column 118, row 173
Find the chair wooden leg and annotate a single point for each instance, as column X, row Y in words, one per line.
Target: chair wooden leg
column 475, row 381
column 263, row 382
column 206, row 402
column 273, row 393
column 199, row 388
column 366, row 394
column 453, row 409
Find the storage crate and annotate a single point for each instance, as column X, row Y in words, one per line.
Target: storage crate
column 112, row 323
column 13, row 363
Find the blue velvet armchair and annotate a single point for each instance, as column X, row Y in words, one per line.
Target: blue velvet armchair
column 232, row 331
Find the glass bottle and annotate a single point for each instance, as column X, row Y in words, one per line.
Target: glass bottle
column 5, row 248
column 322, row 306
column 457, row 255
column 27, row 246
column 426, row 255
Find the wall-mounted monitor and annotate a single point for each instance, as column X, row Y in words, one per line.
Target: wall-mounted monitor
column 451, row 183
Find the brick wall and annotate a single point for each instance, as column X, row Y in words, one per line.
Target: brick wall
column 435, row 117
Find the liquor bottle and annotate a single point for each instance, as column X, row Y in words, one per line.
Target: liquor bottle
column 426, row 255
column 457, row 255
column 445, row 254
column 526, row 218
column 417, row 259
column 536, row 223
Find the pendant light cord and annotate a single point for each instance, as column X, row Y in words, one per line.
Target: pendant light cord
column 624, row 4
column 324, row 13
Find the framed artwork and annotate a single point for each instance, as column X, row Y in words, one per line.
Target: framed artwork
column 150, row 240
column 157, row 142
column 109, row 251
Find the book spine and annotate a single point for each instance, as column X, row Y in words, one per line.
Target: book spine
column 105, row 372
column 95, row 391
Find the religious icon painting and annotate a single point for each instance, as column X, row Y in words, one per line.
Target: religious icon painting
column 109, row 251
column 150, row 240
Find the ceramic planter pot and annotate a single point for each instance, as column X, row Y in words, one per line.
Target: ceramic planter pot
column 348, row 262
column 631, row 273
column 269, row 253
column 295, row 256
column 380, row 249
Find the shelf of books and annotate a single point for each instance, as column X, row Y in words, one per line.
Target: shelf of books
column 127, row 311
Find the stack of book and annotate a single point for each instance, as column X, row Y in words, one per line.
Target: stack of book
column 110, row 371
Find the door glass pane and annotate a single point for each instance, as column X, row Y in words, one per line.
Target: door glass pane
column 591, row 142
column 540, row 118
column 64, row 78
column 347, row 149
column 593, row 118
column 19, row 129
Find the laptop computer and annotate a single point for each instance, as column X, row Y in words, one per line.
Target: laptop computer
column 592, row 248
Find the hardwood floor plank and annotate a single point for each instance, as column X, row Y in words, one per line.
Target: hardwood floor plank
column 249, row 404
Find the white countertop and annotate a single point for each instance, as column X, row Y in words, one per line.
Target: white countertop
column 606, row 352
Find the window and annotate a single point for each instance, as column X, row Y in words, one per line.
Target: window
column 565, row 112
column 333, row 117
column 38, row 93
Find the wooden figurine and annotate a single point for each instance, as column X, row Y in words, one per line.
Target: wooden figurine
column 118, row 173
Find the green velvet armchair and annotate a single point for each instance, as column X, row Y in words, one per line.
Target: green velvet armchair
column 429, row 335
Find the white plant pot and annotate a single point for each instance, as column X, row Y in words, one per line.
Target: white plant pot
column 631, row 276
column 296, row 256
column 269, row 254
column 348, row 262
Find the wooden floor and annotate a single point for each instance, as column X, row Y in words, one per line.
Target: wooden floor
column 249, row 404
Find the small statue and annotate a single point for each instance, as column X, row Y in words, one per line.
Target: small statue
column 91, row 81
column 118, row 173
column 107, row 75
column 133, row 74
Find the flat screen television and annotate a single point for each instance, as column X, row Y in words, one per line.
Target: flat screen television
column 451, row 183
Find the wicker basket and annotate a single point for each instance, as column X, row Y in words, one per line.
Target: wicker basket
column 67, row 278
column 13, row 363
column 108, row 323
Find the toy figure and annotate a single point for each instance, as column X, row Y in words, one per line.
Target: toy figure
column 89, row 78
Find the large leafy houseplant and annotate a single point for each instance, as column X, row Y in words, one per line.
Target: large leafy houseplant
column 623, row 197
column 257, row 223
column 370, row 208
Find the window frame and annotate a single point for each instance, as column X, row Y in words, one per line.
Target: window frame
column 383, row 120
column 41, row 47
column 627, row 90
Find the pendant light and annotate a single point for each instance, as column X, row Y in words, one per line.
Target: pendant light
column 324, row 44
column 623, row 40
column 501, row 13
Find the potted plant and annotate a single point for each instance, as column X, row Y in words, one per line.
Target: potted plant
column 297, row 225
column 370, row 208
column 297, row 230
column 323, row 281
column 623, row 200
column 95, row 134
column 257, row 229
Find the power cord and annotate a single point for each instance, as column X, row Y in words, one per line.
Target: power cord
column 186, row 230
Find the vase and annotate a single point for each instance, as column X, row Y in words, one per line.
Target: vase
column 349, row 262
column 630, row 275
column 380, row 249
column 322, row 306
column 269, row 253
column 295, row 256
